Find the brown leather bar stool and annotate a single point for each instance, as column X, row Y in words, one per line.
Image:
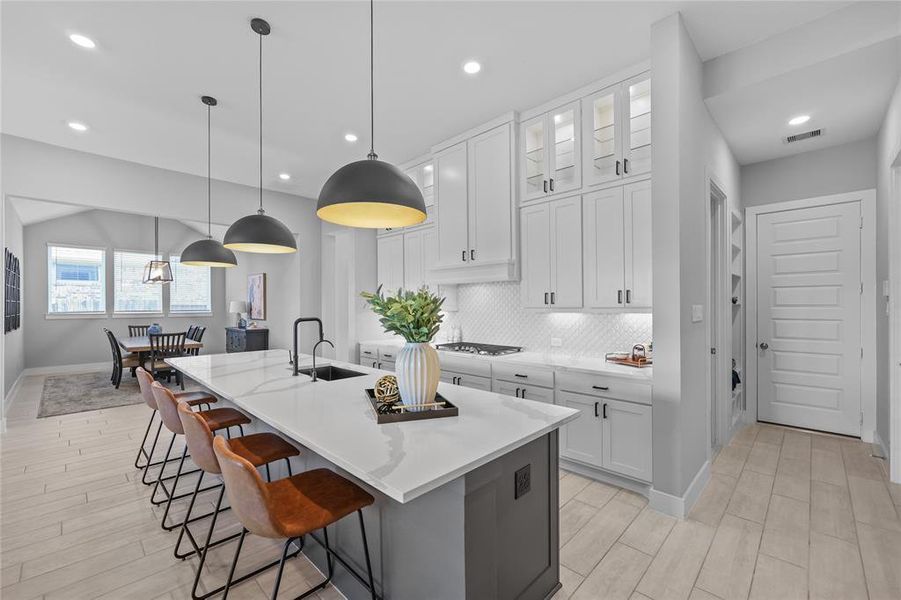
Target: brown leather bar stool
column 216, row 419
column 145, row 380
column 259, row 449
column 291, row 508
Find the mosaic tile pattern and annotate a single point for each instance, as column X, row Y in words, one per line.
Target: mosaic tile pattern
column 492, row 313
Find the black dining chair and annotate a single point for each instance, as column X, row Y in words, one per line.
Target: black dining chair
column 199, row 330
column 137, row 330
column 120, row 362
column 163, row 346
column 190, row 334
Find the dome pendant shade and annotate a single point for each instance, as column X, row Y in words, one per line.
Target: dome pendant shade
column 208, row 253
column 371, row 193
column 261, row 234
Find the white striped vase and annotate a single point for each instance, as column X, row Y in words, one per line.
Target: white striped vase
column 418, row 371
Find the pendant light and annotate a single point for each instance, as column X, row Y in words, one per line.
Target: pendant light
column 208, row 252
column 371, row 193
column 260, row 233
column 157, row 271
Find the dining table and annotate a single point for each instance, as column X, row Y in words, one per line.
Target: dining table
column 141, row 343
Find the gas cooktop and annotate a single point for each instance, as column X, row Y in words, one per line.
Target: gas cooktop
column 484, row 349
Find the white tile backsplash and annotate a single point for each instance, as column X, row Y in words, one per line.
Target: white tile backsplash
column 492, row 313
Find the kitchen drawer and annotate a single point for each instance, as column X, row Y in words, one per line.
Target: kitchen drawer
column 369, row 355
column 519, row 390
column 465, row 365
column 604, row 386
column 470, row 381
column 521, row 373
column 386, row 365
column 388, row 353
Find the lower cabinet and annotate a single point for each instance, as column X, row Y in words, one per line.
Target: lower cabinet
column 609, row 434
column 238, row 339
column 470, row 381
column 527, row 392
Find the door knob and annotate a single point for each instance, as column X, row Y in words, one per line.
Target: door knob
column 764, row 345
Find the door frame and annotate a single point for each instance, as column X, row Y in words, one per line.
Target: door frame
column 894, row 441
column 719, row 400
column 867, row 199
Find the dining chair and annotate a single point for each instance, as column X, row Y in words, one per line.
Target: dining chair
column 190, row 334
column 199, row 330
column 137, row 330
column 163, row 346
column 120, row 361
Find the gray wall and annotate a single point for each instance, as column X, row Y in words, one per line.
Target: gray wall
column 846, row 168
column 14, row 349
column 65, row 341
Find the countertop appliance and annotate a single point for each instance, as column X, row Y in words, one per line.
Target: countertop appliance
column 483, row 349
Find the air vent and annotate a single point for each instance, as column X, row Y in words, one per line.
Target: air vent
column 803, row 136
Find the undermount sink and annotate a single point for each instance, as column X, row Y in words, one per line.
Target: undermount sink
column 331, row 373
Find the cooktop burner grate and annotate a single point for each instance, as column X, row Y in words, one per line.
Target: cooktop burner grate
column 476, row 348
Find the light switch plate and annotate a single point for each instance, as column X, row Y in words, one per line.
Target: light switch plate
column 556, row 342
column 523, row 481
column 697, row 313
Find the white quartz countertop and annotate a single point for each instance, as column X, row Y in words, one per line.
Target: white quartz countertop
column 560, row 362
column 335, row 420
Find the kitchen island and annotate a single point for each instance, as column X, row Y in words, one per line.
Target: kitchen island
column 466, row 507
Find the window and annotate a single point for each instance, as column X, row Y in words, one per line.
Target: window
column 131, row 294
column 76, row 280
column 190, row 290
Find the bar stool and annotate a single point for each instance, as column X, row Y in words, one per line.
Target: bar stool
column 216, row 419
column 258, row 449
column 145, row 380
column 291, row 508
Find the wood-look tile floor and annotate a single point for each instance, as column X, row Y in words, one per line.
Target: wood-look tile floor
column 787, row 514
column 76, row 523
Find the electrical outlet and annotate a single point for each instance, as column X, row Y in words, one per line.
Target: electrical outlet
column 523, row 482
column 556, row 342
column 697, row 313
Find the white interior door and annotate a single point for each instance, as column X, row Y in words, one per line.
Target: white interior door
column 808, row 317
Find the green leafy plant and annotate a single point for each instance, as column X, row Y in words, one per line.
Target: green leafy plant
column 416, row 316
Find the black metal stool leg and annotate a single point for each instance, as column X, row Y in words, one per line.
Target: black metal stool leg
column 144, row 441
column 366, row 553
column 231, row 571
column 159, row 478
column 281, row 568
column 288, row 462
column 181, row 464
column 184, row 524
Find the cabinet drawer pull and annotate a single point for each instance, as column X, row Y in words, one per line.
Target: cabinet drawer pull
column 605, row 410
column 596, row 409
column 602, row 388
column 617, row 167
column 619, row 296
column 628, row 296
column 389, row 356
column 552, row 184
column 520, row 375
column 552, row 298
column 464, row 255
column 545, row 186
column 625, row 165
column 367, row 352
column 545, row 297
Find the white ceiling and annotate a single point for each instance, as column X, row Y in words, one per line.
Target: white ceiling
column 139, row 89
column 34, row 211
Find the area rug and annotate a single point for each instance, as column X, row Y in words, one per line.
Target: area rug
column 81, row 392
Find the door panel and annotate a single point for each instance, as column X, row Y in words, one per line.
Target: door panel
column 533, row 135
column 638, row 242
column 808, row 313
column 451, row 189
column 604, row 251
column 602, row 139
column 581, row 439
column 536, row 256
column 627, row 438
column 390, row 263
column 566, row 252
column 413, row 265
column 565, row 166
column 490, row 194
column 429, row 256
column 637, row 129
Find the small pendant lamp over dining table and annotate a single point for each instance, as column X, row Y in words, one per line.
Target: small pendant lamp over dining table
column 371, row 193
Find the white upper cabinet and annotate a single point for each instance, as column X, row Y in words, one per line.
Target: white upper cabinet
column 474, row 192
column 618, row 247
column 550, row 153
column 414, row 265
column 423, row 175
column 390, row 263
column 617, row 132
column 552, row 254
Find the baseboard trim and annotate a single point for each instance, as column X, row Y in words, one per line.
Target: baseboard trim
column 63, row 369
column 680, row 506
column 604, row 476
column 8, row 398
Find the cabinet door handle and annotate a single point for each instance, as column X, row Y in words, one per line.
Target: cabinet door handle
column 545, row 186
column 464, row 255
column 605, row 410
column 517, row 392
column 625, row 165
column 617, row 167
column 628, row 296
column 472, row 254
column 520, row 375
column 602, row 388
column 619, row 296
column 552, row 184
column 552, row 298
column 596, row 409
column 545, row 297
column 380, row 365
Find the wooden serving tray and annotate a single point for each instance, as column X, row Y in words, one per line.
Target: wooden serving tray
column 638, row 363
column 401, row 415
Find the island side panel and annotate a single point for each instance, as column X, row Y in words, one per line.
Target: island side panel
column 512, row 544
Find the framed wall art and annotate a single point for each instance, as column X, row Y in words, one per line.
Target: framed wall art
column 256, row 296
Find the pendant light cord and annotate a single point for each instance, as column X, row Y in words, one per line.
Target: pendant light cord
column 372, row 154
column 209, row 193
column 156, row 238
column 261, row 124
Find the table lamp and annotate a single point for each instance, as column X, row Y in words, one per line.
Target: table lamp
column 238, row 306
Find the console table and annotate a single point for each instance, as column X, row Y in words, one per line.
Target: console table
column 246, row 340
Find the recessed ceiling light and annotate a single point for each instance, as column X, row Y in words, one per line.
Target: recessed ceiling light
column 350, row 137
column 77, row 126
column 427, row 168
column 799, row 120
column 284, row 176
column 81, row 40
column 472, row 67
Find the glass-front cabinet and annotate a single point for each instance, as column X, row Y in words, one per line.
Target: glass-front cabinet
column 424, row 177
column 551, row 152
column 617, row 132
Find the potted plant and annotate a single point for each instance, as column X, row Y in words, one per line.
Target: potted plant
column 415, row 316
